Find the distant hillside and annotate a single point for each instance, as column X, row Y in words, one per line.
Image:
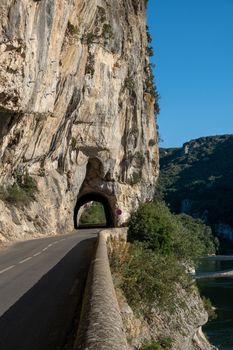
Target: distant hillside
column 198, row 179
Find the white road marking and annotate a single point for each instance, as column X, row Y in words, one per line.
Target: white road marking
column 37, row 254
column 30, row 257
column 23, row 261
column 7, row 269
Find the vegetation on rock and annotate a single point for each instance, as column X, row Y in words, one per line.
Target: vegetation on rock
column 209, row 308
column 152, row 143
column 152, row 267
column 22, row 192
column 197, row 179
column 149, row 84
column 90, row 66
column 149, row 269
column 164, row 343
column 72, row 29
column 147, row 279
column 166, row 234
column 135, row 178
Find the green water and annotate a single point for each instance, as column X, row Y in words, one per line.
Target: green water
column 220, row 292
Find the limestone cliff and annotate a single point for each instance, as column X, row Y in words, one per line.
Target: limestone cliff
column 76, row 110
column 183, row 326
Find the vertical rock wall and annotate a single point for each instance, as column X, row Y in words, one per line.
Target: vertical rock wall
column 74, row 91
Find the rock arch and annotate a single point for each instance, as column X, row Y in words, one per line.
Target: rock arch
column 99, row 187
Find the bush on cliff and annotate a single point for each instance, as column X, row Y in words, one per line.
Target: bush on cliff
column 169, row 234
column 164, row 343
column 21, row 192
column 153, row 225
column 150, row 271
column 150, row 268
column 147, row 280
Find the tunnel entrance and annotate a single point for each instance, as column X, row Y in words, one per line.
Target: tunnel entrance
column 96, row 207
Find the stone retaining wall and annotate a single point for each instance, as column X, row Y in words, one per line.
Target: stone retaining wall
column 101, row 326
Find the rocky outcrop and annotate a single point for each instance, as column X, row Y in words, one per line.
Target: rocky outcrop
column 76, row 110
column 182, row 327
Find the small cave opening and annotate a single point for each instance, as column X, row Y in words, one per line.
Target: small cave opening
column 93, row 210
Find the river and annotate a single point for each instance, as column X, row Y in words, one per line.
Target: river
column 220, row 292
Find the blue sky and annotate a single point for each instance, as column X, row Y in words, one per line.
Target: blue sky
column 193, row 45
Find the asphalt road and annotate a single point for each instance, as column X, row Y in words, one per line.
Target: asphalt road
column 41, row 286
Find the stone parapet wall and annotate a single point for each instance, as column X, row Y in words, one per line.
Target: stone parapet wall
column 101, row 326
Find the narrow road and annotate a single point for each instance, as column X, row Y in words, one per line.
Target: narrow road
column 41, row 286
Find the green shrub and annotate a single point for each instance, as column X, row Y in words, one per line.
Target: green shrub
column 151, row 346
column 73, row 143
column 41, row 172
column 210, row 309
column 166, row 233
column 146, row 279
column 22, row 192
column 164, row 342
column 150, row 268
column 135, row 178
column 152, row 224
column 72, row 29
column 149, row 51
column 90, row 37
column 152, row 142
column 107, row 31
column 150, row 86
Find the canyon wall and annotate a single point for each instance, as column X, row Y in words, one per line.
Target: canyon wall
column 77, row 113
column 183, row 326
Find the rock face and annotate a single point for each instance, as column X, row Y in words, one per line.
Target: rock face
column 183, row 326
column 76, row 113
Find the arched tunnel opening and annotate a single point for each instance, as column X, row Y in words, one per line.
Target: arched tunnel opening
column 90, row 203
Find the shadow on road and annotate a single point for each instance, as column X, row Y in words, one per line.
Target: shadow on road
column 44, row 316
column 91, row 226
